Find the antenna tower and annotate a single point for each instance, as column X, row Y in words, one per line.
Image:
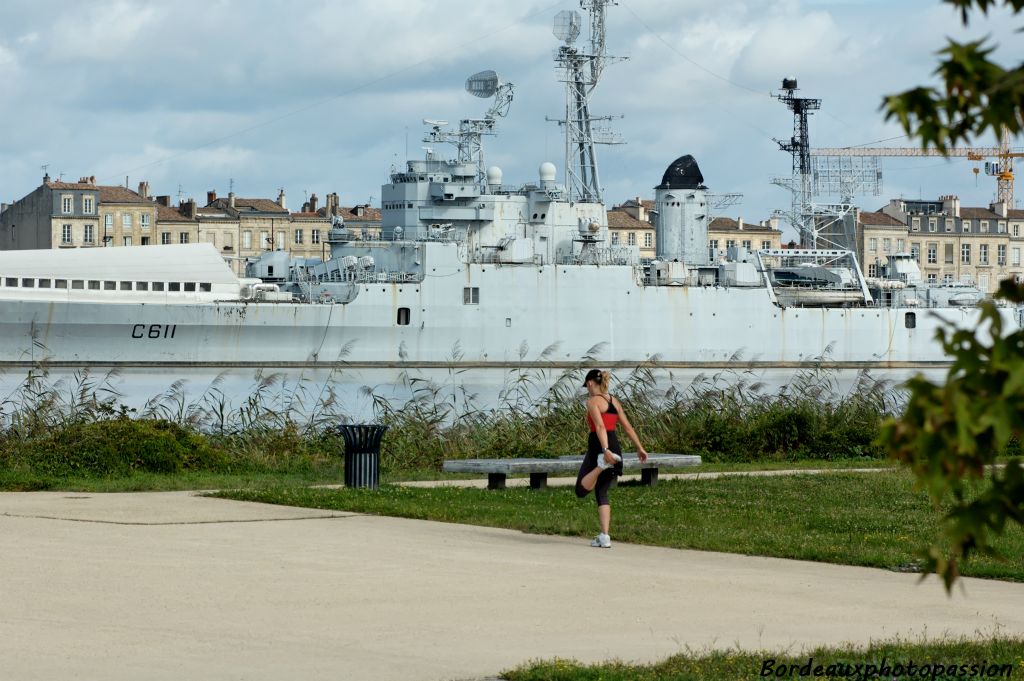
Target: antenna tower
column 582, row 70
column 801, row 213
column 468, row 139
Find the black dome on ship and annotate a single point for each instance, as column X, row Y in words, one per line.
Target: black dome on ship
column 684, row 173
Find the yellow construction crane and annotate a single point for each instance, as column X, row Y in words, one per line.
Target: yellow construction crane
column 1001, row 169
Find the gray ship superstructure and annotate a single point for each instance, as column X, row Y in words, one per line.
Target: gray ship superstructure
column 472, row 273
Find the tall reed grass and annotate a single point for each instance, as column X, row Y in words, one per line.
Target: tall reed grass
column 78, row 425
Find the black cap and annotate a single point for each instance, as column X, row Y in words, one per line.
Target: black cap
column 592, row 375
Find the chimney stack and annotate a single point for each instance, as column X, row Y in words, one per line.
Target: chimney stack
column 281, row 199
column 313, row 201
column 331, row 206
column 211, row 196
column 188, row 209
column 999, row 208
column 231, row 199
column 164, row 200
column 739, row 223
column 144, row 189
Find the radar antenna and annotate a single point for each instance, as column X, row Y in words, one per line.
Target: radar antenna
column 468, row 139
column 581, row 73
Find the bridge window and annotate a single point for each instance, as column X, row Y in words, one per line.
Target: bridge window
column 28, row 283
column 60, row 283
column 174, row 286
column 158, row 286
column 910, row 320
column 94, row 285
column 471, row 295
column 190, row 287
column 110, row 286
column 11, row 281
column 142, row 286
column 205, row 287
column 403, row 316
column 44, row 283
column 77, row 284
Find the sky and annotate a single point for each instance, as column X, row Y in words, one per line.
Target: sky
column 327, row 96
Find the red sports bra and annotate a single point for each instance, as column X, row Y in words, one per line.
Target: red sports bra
column 610, row 417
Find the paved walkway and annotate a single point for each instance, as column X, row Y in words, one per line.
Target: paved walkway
column 172, row 586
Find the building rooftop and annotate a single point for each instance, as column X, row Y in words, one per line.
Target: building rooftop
column 720, row 224
column 879, row 219
column 968, row 213
column 620, row 219
column 170, row 214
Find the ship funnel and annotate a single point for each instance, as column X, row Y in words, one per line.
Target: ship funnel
column 682, row 221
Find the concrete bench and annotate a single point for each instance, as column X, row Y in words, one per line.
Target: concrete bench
column 498, row 470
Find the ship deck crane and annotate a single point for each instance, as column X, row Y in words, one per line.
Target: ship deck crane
column 1002, row 169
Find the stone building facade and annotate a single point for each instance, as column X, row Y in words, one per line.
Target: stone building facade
column 951, row 243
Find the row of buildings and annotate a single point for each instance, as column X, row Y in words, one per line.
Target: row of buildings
column 951, row 243
column 85, row 214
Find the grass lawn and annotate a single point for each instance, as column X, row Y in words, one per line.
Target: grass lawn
column 991, row 655
column 869, row 519
column 23, row 481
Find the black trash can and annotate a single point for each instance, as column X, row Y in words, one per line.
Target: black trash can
column 362, row 455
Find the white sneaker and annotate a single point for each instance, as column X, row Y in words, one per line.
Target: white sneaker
column 602, row 541
column 602, row 464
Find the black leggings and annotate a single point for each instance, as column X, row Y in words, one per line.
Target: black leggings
column 604, row 481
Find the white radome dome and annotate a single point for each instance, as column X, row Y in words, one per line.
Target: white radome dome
column 547, row 171
column 494, row 175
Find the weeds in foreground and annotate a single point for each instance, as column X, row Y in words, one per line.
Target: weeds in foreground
column 284, row 423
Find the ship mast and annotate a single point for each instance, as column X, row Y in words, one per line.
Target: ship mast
column 581, row 72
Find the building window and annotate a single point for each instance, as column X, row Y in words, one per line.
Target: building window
column 932, row 224
column 949, row 225
column 65, row 234
column 265, row 240
column 1015, row 259
column 1015, row 230
column 933, row 278
column 87, row 205
column 947, row 278
column 1001, row 227
column 766, row 245
column 165, row 238
column 915, row 252
column 183, row 237
column 965, row 254
column 983, row 226
column 89, row 235
column 144, row 241
column 403, row 316
column 126, row 221
column 900, row 245
column 632, row 239
column 933, row 254
column 247, row 239
column 67, row 204
column 615, row 238
column 948, row 255
column 887, row 245
column 127, row 241
column 314, row 236
column 298, row 236
column 108, row 222
column 747, row 244
column 229, row 240
column 915, row 224
column 983, row 254
column 145, row 220
column 873, row 270
column 730, row 243
column 471, row 295
column 1001, row 254
column 279, row 240
column 872, row 245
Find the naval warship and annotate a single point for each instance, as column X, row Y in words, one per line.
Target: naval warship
column 471, row 273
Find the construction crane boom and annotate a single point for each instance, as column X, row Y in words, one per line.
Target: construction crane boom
column 1002, row 170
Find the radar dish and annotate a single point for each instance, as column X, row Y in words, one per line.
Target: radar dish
column 483, row 84
column 567, row 26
